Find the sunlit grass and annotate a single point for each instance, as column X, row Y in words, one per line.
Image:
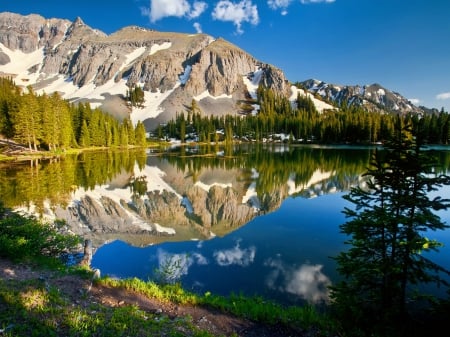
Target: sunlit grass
column 31, row 308
column 253, row 308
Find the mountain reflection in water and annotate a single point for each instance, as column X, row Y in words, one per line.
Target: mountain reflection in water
column 243, row 219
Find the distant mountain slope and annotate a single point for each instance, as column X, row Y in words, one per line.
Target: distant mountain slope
column 85, row 64
column 373, row 97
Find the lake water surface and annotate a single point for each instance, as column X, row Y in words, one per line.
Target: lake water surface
column 256, row 220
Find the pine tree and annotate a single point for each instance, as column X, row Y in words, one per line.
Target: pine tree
column 387, row 230
column 28, row 120
column 85, row 137
column 65, row 127
column 140, row 134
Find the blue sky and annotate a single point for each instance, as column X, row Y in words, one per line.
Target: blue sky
column 403, row 45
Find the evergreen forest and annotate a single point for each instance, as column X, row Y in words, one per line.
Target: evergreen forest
column 48, row 122
column 279, row 120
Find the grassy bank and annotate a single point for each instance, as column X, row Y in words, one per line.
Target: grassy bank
column 57, row 303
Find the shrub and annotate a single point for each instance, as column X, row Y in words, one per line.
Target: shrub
column 24, row 237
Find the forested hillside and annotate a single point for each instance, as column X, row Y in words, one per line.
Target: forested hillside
column 48, row 122
column 279, row 120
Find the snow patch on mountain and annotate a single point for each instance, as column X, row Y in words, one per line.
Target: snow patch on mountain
column 320, row 105
column 252, row 82
column 133, row 56
column 206, row 94
column 21, row 63
column 89, row 91
column 157, row 47
column 152, row 105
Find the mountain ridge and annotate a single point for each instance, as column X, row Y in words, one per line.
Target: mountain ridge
column 86, row 65
column 373, row 97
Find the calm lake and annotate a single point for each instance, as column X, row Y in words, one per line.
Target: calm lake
column 257, row 220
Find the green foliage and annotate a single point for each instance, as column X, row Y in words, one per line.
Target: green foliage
column 53, row 180
column 253, row 308
column 35, row 308
column 302, row 122
column 136, row 96
column 24, row 237
column 51, row 123
column 385, row 265
column 140, row 135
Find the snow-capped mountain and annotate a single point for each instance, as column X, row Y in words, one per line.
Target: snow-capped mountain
column 373, row 97
column 85, row 64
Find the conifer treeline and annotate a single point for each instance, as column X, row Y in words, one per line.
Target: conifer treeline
column 302, row 123
column 50, row 122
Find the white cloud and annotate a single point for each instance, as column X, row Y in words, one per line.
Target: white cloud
column 307, row 281
column 305, row 2
column 197, row 9
column 242, row 11
column 284, row 4
column 198, row 27
column 160, row 9
column 444, row 95
column 235, row 256
column 275, row 4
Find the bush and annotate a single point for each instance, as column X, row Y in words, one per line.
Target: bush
column 24, row 237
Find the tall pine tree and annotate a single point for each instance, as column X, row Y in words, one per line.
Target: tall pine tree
column 385, row 265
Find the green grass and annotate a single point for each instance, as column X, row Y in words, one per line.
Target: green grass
column 253, row 308
column 30, row 308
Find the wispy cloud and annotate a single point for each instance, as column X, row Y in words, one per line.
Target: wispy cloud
column 276, row 4
column 197, row 9
column 160, row 9
column 284, row 4
column 198, row 27
column 242, row 11
column 443, row 96
column 305, row 2
column 235, row 256
column 279, row 4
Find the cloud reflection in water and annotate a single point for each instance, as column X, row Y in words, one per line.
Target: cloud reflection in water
column 235, row 256
column 172, row 267
column 307, row 281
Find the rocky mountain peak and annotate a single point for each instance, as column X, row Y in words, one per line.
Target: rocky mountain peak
column 373, row 97
column 85, row 64
column 78, row 30
column 172, row 68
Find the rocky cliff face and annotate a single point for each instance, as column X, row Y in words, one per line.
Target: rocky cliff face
column 28, row 33
column 373, row 97
column 172, row 68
